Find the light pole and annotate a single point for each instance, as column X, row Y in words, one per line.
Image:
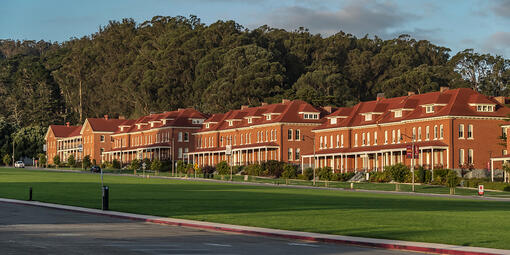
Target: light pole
column 314, row 162
column 13, row 150
column 412, row 157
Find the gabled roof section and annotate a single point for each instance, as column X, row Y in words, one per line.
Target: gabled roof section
column 454, row 102
column 178, row 118
column 63, row 131
column 286, row 111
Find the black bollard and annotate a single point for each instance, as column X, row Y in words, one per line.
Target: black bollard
column 30, row 194
column 105, row 198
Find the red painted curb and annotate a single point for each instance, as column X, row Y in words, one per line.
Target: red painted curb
column 268, row 234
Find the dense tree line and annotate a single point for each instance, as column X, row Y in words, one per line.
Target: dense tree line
column 166, row 63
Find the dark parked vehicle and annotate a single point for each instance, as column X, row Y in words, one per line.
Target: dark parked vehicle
column 95, row 169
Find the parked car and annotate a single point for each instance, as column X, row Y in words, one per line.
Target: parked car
column 95, row 169
column 19, row 164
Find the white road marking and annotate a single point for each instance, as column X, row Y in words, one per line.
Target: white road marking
column 66, row 234
column 141, row 245
column 219, row 245
column 303, row 244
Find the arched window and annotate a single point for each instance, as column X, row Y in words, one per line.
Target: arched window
column 289, row 137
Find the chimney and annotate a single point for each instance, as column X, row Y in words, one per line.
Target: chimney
column 244, row 107
column 121, row 117
column 443, row 89
column 328, row 108
column 284, row 101
column 106, row 116
column 67, row 124
column 410, row 93
column 501, row 100
column 380, row 96
column 263, row 104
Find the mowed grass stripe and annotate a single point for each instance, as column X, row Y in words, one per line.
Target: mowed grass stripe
column 412, row 218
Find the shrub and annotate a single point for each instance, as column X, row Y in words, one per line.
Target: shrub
column 273, row 168
column 255, row 170
column 42, row 159
column 324, row 173
column 422, row 175
column 134, row 165
column 115, row 164
column 181, row 167
column 289, row 171
column 223, row 168
column 384, row 176
column 71, row 161
column 156, row 165
column 308, row 173
column 398, row 172
column 56, row 160
column 208, row 170
column 86, row 162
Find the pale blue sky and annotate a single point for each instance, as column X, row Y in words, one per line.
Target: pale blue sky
column 456, row 24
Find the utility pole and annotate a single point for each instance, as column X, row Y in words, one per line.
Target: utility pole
column 12, row 150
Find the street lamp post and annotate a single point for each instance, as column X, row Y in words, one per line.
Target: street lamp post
column 412, row 157
column 314, row 163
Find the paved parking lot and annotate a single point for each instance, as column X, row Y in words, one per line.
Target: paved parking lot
column 36, row 230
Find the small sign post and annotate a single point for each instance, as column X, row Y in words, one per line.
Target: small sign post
column 480, row 190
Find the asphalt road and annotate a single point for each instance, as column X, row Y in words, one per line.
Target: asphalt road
column 37, row 230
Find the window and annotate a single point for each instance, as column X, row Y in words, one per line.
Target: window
column 297, row 154
column 470, row 131
column 385, row 136
column 461, row 130
column 441, row 131
column 461, row 157
column 321, row 145
column 331, row 142
column 186, row 137
column 325, row 142
column 289, row 134
column 363, row 139
column 266, row 136
column 427, row 133
column 435, row 132
column 221, row 141
column 230, row 123
column 419, row 133
column 268, row 117
column 180, row 153
column 289, row 156
column 207, row 125
column 197, row 121
column 333, row 120
column 368, row 117
column 311, row 116
column 470, row 156
column 179, row 137
column 241, row 141
column 258, row 136
column 485, row 108
column 375, row 138
column 102, row 138
column 356, row 140
column 414, row 134
column 250, row 120
column 398, row 114
column 298, row 135
column 337, row 141
column 368, row 138
column 393, row 136
column 342, row 141
column 429, row 109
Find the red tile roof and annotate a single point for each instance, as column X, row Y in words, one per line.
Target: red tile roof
column 105, row 125
column 287, row 111
column 244, row 146
column 65, row 131
column 179, row 118
column 454, row 102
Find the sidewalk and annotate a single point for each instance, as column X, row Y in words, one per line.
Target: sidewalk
column 294, row 186
column 370, row 242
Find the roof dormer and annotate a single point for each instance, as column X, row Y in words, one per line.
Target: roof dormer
column 231, row 122
column 484, row 107
column 164, row 121
column 369, row 115
column 196, row 121
column 122, row 127
column 334, row 119
column 397, row 113
column 310, row 115
column 431, row 108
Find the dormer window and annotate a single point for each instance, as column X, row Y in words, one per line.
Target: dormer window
column 485, row 108
column 310, row 116
column 368, row 117
column 250, row 120
column 230, row 123
column 197, row 121
column 268, row 117
column 398, row 114
column 152, row 124
column 207, row 125
column 333, row 121
column 429, row 109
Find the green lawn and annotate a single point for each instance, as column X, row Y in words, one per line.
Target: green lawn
column 403, row 217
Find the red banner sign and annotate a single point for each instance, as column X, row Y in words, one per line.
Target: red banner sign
column 409, row 151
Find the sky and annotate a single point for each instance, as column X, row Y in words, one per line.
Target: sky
column 483, row 25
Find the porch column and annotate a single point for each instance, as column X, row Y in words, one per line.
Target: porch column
column 355, row 162
column 421, row 156
column 448, row 157
column 376, row 163
column 492, row 170
column 432, row 161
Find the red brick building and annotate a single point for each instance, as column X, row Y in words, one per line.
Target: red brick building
column 255, row 134
column 452, row 129
column 63, row 140
column 161, row 136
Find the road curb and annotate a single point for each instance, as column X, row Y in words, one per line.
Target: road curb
column 296, row 235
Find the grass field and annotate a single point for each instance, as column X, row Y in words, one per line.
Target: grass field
column 403, row 217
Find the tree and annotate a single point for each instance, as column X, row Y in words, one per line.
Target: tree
column 156, row 165
column 56, row 160
column 29, row 141
column 42, row 159
column 398, row 173
column 452, row 180
column 7, row 159
column 86, row 162
column 223, row 168
column 71, row 161
column 115, row 164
